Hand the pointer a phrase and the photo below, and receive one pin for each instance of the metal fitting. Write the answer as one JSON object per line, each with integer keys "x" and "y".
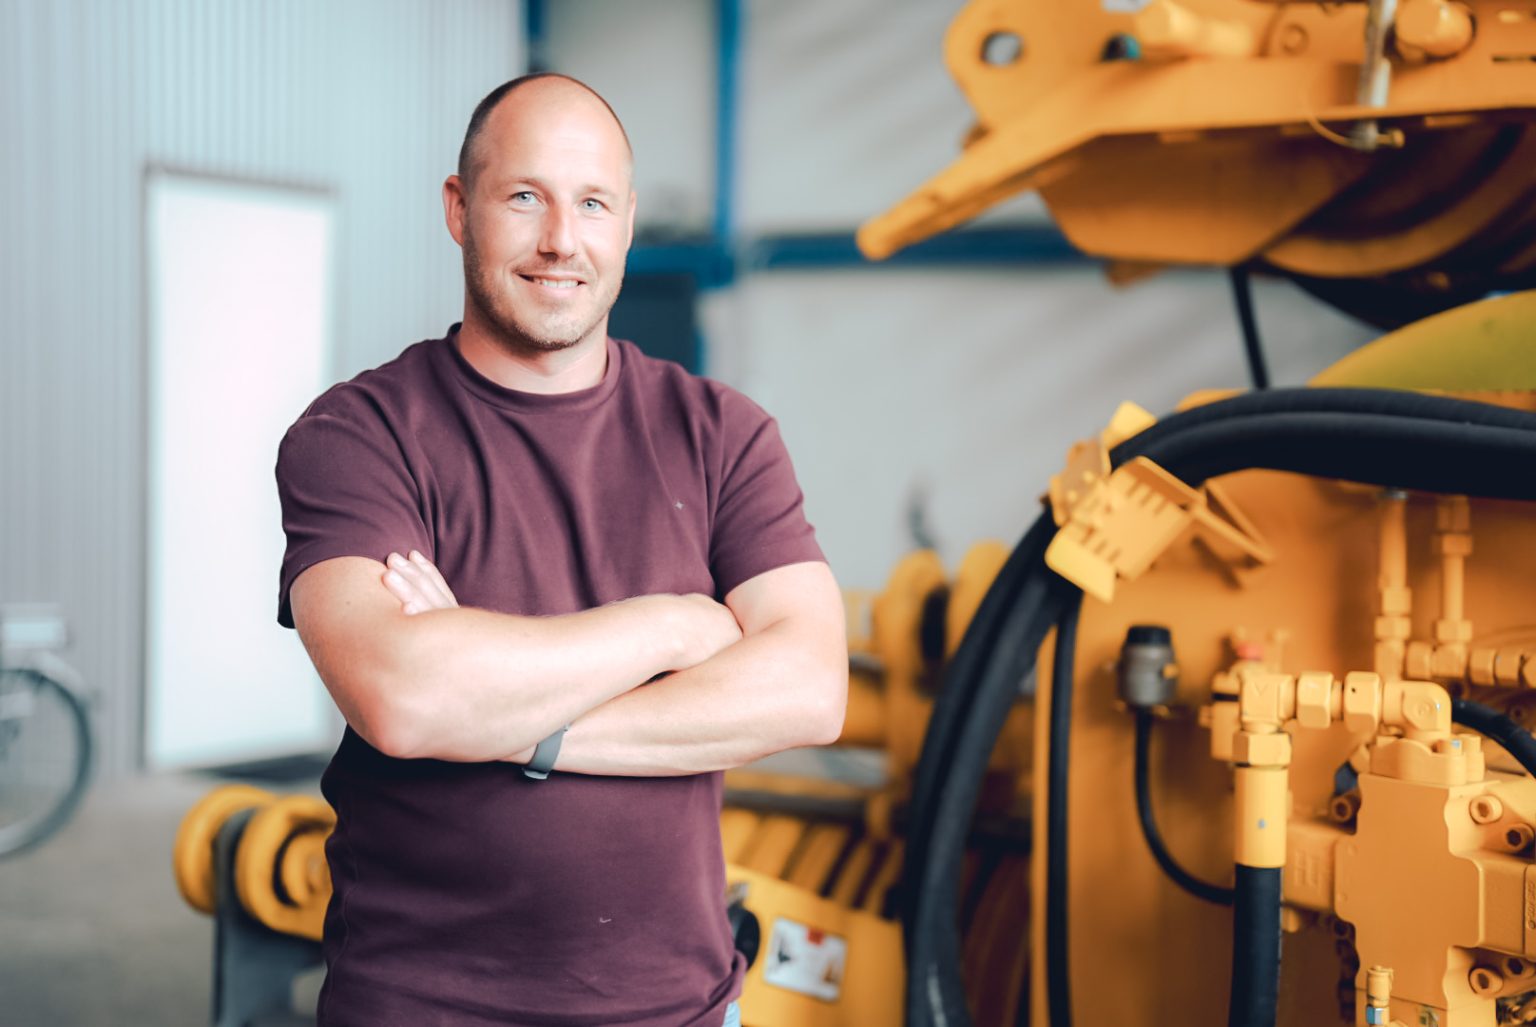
{"x": 1147, "y": 671}
{"x": 1362, "y": 702}
{"x": 1314, "y": 700}
{"x": 1485, "y": 980}
{"x": 1378, "y": 994}
{"x": 1262, "y": 750}
{"x": 1485, "y": 809}
{"x": 1518, "y": 837}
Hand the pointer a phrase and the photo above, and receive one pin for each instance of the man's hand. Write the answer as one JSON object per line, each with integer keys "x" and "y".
{"x": 703, "y": 626}
{"x": 417, "y": 583}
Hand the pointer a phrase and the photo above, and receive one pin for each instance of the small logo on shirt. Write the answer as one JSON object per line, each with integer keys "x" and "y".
{"x": 677, "y": 505}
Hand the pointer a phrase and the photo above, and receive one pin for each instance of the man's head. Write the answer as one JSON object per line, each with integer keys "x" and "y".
{"x": 543, "y": 206}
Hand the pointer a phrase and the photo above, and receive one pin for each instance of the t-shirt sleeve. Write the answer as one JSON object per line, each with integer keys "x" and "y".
{"x": 345, "y": 491}
{"x": 760, "y": 521}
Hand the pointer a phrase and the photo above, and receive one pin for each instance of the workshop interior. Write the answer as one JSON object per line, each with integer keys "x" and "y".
{"x": 1160, "y": 376}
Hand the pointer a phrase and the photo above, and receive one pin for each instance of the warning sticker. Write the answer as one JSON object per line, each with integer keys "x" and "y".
{"x": 805, "y": 959}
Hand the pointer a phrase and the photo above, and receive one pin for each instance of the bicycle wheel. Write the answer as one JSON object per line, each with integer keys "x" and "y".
{"x": 45, "y": 757}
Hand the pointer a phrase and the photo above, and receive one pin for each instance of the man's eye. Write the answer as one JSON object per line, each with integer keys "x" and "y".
{"x": 592, "y": 205}
{"x": 523, "y": 197}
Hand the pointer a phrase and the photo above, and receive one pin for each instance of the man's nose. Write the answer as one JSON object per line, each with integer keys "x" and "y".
{"x": 559, "y": 236}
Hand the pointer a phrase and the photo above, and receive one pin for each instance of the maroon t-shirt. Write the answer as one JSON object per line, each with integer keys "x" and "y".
{"x": 467, "y": 893}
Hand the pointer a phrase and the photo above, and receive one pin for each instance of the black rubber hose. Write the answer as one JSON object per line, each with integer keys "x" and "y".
{"x": 1486, "y": 720}
{"x": 1193, "y": 445}
{"x": 966, "y": 672}
{"x": 1394, "y": 402}
{"x": 1255, "y": 947}
{"x": 935, "y": 989}
{"x": 1058, "y": 973}
{"x": 1170, "y": 866}
{"x": 1242, "y": 295}
{"x": 1396, "y": 452}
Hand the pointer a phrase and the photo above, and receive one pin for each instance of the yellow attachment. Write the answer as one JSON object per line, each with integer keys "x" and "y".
{"x": 1432, "y": 28}
{"x": 1126, "y": 521}
{"x": 1262, "y": 807}
{"x": 1167, "y": 29}
{"x": 1088, "y": 460}
{"x": 192, "y": 857}
{"x": 868, "y": 987}
{"x": 1378, "y": 987}
{"x": 286, "y": 836}
{"x": 1421, "y": 708}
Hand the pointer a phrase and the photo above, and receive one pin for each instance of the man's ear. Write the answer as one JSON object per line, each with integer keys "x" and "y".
{"x": 454, "y": 204}
{"x": 631, "y": 238}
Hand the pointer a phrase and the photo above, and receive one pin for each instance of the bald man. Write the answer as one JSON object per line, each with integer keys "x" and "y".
{"x": 555, "y": 587}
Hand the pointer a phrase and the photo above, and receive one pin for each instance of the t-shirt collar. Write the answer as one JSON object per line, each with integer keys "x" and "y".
{"x": 479, "y": 385}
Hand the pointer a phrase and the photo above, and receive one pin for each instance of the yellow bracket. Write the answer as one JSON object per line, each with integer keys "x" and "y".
{"x": 1115, "y": 524}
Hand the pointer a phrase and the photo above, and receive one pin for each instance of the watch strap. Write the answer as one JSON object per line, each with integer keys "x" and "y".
{"x": 544, "y": 754}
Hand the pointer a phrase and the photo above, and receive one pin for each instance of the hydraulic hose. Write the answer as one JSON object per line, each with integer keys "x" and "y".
{"x": 1183, "y": 878}
{"x": 1058, "y": 759}
{"x": 1255, "y": 947}
{"x": 1392, "y": 402}
{"x": 972, "y": 666}
{"x": 1486, "y": 720}
{"x": 1355, "y": 434}
{"x": 935, "y": 992}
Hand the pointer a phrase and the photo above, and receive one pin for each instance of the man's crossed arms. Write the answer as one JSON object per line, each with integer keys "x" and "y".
{"x": 418, "y": 676}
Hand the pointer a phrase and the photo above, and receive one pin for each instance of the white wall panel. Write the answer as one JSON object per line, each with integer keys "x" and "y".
{"x": 966, "y": 386}
{"x": 367, "y": 98}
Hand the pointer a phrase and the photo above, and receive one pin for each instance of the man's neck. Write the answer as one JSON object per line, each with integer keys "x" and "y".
{"x": 548, "y": 372}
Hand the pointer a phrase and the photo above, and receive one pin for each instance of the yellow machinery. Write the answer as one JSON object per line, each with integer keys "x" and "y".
{"x": 1339, "y": 745}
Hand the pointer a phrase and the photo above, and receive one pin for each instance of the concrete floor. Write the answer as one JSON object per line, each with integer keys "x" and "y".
{"x": 93, "y": 932}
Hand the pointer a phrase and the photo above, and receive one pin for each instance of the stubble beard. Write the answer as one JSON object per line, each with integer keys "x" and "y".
{"x": 530, "y": 334}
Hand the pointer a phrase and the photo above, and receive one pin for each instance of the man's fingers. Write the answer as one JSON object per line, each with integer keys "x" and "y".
{"x": 405, "y": 584}
{"x": 417, "y": 583}
{"x": 433, "y": 578}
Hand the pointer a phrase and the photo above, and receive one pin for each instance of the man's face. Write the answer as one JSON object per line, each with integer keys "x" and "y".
{"x": 548, "y": 217}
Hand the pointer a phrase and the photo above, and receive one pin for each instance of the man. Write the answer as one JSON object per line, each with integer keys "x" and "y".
{"x": 585, "y": 504}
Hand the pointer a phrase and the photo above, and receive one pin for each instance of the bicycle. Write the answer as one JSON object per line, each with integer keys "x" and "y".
{"x": 46, "y": 750}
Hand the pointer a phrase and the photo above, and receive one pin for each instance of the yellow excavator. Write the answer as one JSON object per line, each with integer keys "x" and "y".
{"x": 1238, "y": 730}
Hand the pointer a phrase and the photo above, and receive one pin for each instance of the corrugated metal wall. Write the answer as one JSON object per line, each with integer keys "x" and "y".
{"x": 366, "y": 98}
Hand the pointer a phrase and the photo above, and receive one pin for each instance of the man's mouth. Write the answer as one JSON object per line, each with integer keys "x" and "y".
{"x": 552, "y": 283}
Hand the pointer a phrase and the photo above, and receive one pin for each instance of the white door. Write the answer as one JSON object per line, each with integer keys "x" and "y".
{"x": 239, "y": 309}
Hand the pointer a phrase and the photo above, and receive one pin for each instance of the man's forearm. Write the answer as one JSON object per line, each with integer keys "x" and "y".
{"x": 469, "y": 685}
{"x": 474, "y": 685}
{"x": 771, "y": 691}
